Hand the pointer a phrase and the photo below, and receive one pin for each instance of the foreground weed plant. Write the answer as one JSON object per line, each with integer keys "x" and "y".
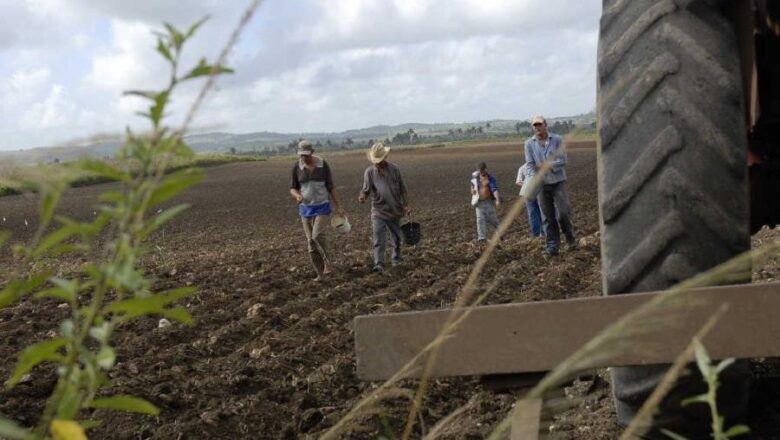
{"x": 710, "y": 373}
{"x": 110, "y": 289}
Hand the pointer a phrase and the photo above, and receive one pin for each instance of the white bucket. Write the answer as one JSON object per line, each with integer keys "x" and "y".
{"x": 340, "y": 224}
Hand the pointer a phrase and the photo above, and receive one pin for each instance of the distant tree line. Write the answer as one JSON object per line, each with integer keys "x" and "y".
{"x": 410, "y": 137}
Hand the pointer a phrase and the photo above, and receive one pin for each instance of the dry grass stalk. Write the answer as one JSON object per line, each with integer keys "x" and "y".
{"x": 612, "y": 340}
{"x": 525, "y": 421}
{"x": 449, "y": 424}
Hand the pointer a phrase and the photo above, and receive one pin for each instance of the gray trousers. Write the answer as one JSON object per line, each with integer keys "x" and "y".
{"x": 314, "y": 228}
{"x": 380, "y": 228}
{"x": 486, "y": 216}
{"x": 553, "y": 200}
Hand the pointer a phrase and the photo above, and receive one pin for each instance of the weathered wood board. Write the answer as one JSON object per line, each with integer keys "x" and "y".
{"x": 527, "y": 337}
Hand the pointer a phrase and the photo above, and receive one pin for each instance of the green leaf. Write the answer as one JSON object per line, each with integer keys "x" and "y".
{"x": 58, "y": 236}
{"x": 173, "y": 184}
{"x": 703, "y": 360}
{"x": 50, "y": 197}
{"x": 737, "y": 430}
{"x": 194, "y": 27}
{"x": 106, "y": 357}
{"x": 56, "y": 293}
{"x": 35, "y": 354}
{"x": 177, "y": 38}
{"x": 672, "y": 435}
{"x": 127, "y": 404}
{"x": 12, "y": 431}
{"x": 156, "y": 111}
{"x": 163, "y": 49}
{"x": 725, "y": 363}
{"x": 163, "y": 218}
{"x": 179, "y": 314}
{"x": 90, "y": 424}
{"x": 103, "y": 169}
{"x": 701, "y": 398}
{"x": 101, "y": 333}
{"x": 66, "y": 328}
{"x": 113, "y": 197}
{"x": 204, "y": 69}
{"x": 150, "y": 95}
{"x": 4, "y": 236}
{"x": 153, "y": 305}
{"x": 70, "y": 404}
{"x": 14, "y": 290}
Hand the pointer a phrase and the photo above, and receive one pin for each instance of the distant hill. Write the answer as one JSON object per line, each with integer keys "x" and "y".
{"x": 262, "y": 142}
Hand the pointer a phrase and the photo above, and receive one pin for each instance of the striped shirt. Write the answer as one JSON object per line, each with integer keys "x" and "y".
{"x": 314, "y": 185}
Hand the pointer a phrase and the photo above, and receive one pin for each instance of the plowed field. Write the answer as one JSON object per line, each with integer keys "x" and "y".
{"x": 271, "y": 355}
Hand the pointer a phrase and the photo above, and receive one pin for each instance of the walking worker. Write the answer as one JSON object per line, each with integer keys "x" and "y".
{"x": 532, "y": 206}
{"x": 485, "y": 199}
{"x": 540, "y": 148}
{"x": 312, "y": 187}
{"x": 389, "y": 203}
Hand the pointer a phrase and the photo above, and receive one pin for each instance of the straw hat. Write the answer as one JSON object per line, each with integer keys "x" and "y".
{"x": 378, "y": 153}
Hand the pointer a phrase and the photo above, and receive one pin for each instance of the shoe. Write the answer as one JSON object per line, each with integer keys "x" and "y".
{"x": 572, "y": 245}
{"x": 395, "y": 262}
{"x": 551, "y": 252}
{"x": 378, "y": 268}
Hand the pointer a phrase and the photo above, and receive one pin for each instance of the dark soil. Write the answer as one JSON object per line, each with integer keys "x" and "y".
{"x": 271, "y": 355}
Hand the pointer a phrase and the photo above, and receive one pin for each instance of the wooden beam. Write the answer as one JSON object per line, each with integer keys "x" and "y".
{"x": 527, "y": 337}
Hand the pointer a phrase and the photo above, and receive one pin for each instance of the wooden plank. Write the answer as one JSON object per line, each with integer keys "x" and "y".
{"x": 527, "y": 337}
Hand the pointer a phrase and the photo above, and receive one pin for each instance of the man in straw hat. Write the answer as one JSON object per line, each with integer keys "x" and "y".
{"x": 312, "y": 187}
{"x": 553, "y": 199}
{"x": 389, "y": 203}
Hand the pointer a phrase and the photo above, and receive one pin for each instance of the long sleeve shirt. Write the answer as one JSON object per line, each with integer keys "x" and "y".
{"x": 388, "y": 191}
{"x": 537, "y": 152}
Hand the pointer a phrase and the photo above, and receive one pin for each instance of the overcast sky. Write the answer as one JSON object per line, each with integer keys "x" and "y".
{"x": 301, "y": 65}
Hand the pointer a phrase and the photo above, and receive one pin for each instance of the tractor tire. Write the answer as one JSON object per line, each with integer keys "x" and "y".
{"x": 673, "y": 184}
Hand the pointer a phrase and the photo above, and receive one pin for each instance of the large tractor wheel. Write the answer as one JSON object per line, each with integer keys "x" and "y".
{"x": 672, "y": 165}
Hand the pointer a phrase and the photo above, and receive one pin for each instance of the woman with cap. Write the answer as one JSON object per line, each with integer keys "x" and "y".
{"x": 389, "y": 203}
{"x": 312, "y": 187}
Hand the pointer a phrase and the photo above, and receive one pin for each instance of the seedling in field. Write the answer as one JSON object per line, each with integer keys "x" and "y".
{"x": 710, "y": 373}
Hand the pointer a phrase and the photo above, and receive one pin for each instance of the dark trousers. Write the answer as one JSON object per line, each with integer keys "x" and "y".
{"x": 552, "y": 198}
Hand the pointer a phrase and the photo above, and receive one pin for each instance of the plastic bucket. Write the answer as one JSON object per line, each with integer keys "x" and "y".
{"x": 340, "y": 224}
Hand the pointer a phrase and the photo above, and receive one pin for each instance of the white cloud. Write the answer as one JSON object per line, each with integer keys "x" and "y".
{"x": 128, "y": 62}
{"x": 318, "y": 65}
